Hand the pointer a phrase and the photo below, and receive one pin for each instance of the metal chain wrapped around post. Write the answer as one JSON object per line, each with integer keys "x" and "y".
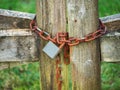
{"x": 63, "y": 39}
{"x": 71, "y": 41}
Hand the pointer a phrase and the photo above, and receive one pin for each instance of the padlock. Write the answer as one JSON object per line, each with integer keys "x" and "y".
{"x": 52, "y": 50}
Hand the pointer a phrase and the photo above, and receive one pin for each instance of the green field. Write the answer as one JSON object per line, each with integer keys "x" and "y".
{"x": 26, "y": 77}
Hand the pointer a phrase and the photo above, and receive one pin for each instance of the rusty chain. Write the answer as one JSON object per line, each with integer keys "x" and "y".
{"x": 58, "y": 72}
{"x": 63, "y": 39}
{"x": 70, "y": 41}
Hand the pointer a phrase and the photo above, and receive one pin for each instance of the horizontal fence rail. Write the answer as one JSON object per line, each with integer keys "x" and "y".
{"x": 19, "y": 44}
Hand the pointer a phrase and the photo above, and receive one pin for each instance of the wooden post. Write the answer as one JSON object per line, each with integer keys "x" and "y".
{"x": 52, "y": 18}
{"x": 82, "y": 20}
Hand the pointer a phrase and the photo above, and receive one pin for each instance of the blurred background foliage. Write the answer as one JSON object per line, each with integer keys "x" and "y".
{"x": 18, "y": 5}
{"x": 26, "y": 77}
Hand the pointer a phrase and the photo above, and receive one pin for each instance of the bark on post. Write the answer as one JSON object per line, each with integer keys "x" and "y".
{"x": 82, "y": 20}
{"x": 52, "y": 18}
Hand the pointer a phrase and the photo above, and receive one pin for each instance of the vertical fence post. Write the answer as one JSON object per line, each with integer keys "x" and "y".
{"x": 52, "y": 18}
{"x": 82, "y": 20}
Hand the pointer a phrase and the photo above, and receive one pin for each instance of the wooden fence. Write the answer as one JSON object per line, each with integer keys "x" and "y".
{"x": 18, "y": 45}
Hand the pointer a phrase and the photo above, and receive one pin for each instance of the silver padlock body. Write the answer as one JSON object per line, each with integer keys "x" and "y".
{"x": 51, "y": 50}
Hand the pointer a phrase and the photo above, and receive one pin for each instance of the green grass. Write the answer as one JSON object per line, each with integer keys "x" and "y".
{"x": 26, "y": 77}
{"x": 18, "y": 5}
{"x": 108, "y": 7}
{"x": 110, "y": 76}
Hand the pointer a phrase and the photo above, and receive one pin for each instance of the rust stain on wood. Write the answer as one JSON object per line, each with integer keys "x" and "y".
{"x": 18, "y": 49}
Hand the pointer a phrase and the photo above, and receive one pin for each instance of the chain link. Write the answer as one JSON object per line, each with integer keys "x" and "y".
{"x": 60, "y": 37}
{"x": 58, "y": 72}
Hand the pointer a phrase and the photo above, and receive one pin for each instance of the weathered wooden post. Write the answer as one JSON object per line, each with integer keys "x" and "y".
{"x": 82, "y": 20}
{"x": 51, "y": 16}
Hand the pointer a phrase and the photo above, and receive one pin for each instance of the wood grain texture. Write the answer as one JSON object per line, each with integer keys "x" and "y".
{"x": 112, "y": 22}
{"x": 110, "y": 43}
{"x": 83, "y": 19}
{"x": 8, "y": 22}
{"x": 18, "y": 14}
{"x": 16, "y": 32}
{"x": 14, "y": 20}
{"x": 18, "y": 49}
{"x": 110, "y": 47}
{"x": 17, "y": 42}
{"x": 51, "y": 18}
